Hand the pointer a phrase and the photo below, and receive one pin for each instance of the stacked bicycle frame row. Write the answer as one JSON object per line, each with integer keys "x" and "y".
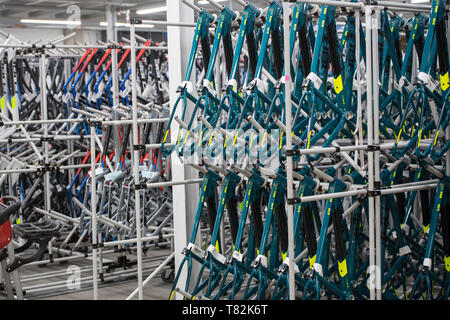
{"x": 235, "y": 136}
{"x": 53, "y": 96}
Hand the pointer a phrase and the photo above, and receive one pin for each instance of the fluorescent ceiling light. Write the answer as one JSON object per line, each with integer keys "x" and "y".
{"x": 151, "y": 10}
{"x": 206, "y": 2}
{"x": 118, "y": 24}
{"x": 123, "y": 24}
{"x": 76, "y": 23}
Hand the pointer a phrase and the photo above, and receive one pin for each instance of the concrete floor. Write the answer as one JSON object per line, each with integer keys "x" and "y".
{"x": 53, "y": 281}
{"x": 155, "y": 290}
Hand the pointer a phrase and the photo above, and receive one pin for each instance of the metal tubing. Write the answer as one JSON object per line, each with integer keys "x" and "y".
{"x": 289, "y": 164}
{"x": 356, "y": 5}
{"x": 153, "y": 274}
{"x": 192, "y": 6}
{"x": 169, "y": 24}
{"x": 131, "y": 241}
{"x": 371, "y": 222}
{"x": 173, "y": 183}
{"x": 58, "y": 215}
{"x": 137, "y": 194}
{"x": 362, "y": 192}
{"x": 376, "y": 141}
{"x": 392, "y": 4}
{"x": 93, "y": 217}
{"x": 215, "y": 4}
{"x": 104, "y": 219}
{"x": 242, "y": 3}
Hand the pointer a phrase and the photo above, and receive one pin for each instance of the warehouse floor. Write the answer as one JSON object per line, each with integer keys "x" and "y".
{"x": 54, "y": 281}
{"x": 157, "y": 290}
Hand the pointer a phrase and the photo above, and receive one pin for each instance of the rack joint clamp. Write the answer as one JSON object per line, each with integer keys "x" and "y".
{"x": 140, "y": 186}
{"x": 373, "y": 147}
{"x": 292, "y": 201}
{"x": 135, "y": 21}
{"x": 139, "y": 147}
{"x": 292, "y": 152}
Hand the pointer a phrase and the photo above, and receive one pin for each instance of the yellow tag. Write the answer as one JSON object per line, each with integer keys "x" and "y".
{"x": 447, "y": 263}
{"x": 200, "y": 140}
{"x": 210, "y": 139}
{"x": 165, "y": 136}
{"x": 235, "y": 138}
{"x": 13, "y": 102}
{"x": 18, "y": 221}
{"x": 281, "y": 140}
{"x": 187, "y": 136}
{"x": 420, "y": 135}
{"x": 435, "y": 138}
{"x": 2, "y": 103}
{"x": 445, "y": 82}
{"x": 312, "y": 261}
{"x": 283, "y": 255}
{"x": 171, "y": 295}
{"x": 217, "y": 246}
{"x": 338, "y": 86}
{"x": 343, "y": 268}
{"x": 399, "y": 134}
{"x": 425, "y": 228}
{"x": 309, "y": 140}
{"x": 264, "y": 138}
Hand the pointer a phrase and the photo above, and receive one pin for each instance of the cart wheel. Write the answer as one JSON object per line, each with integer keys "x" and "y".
{"x": 168, "y": 275}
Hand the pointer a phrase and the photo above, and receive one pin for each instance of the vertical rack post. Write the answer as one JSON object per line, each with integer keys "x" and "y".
{"x": 358, "y": 81}
{"x": 94, "y": 215}
{"x": 137, "y": 192}
{"x": 289, "y": 165}
{"x": 376, "y": 141}
{"x": 44, "y": 115}
{"x": 370, "y": 169}
{"x": 111, "y": 19}
{"x": 67, "y": 71}
{"x": 115, "y": 95}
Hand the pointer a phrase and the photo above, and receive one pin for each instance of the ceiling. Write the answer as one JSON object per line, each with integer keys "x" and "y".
{"x": 92, "y": 12}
